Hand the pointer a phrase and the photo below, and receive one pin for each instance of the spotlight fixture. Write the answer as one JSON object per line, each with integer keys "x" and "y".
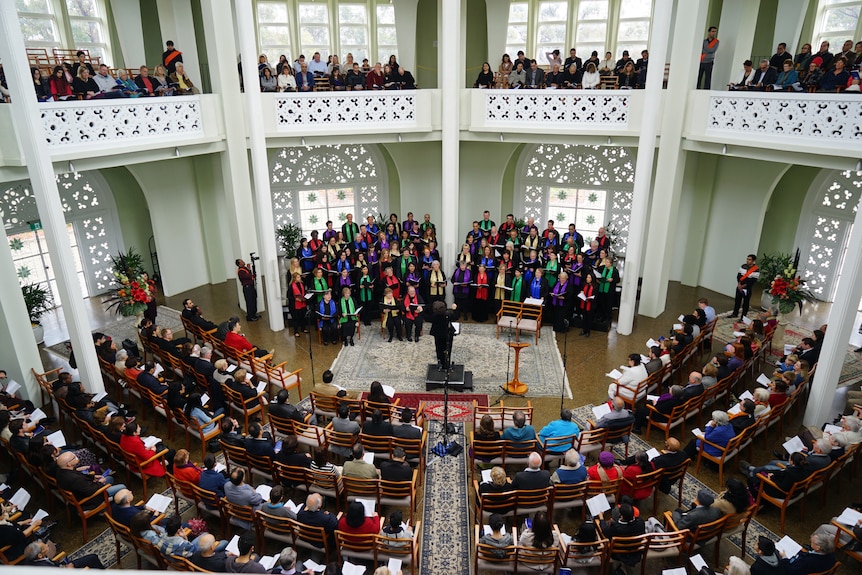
{"x": 724, "y": 149}
{"x": 609, "y": 141}
{"x": 302, "y": 141}
{"x": 177, "y": 152}
{"x": 399, "y": 138}
{"x": 859, "y": 165}
{"x": 501, "y": 136}
{"x": 71, "y": 167}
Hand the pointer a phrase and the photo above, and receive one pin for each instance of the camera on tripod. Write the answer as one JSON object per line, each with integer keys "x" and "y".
{"x": 253, "y": 257}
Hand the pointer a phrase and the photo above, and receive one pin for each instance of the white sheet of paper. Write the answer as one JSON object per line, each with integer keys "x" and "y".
{"x": 486, "y": 476}
{"x": 746, "y": 395}
{"x": 793, "y": 445}
{"x": 681, "y": 317}
{"x": 675, "y": 571}
{"x": 368, "y": 457}
{"x": 369, "y": 505}
{"x": 652, "y": 398}
{"x": 697, "y": 432}
{"x": 582, "y": 296}
{"x": 677, "y": 326}
{"x": 698, "y": 562}
{"x": 849, "y": 517}
{"x": 735, "y": 409}
{"x": 231, "y": 368}
{"x": 653, "y": 453}
{"x": 3, "y": 487}
{"x": 261, "y": 386}
{"x": 219, "y": 467}
{"x": 600, "y": 410}
{"x": 20, "y": 499}
{"x": 159, "y": 369}
{"x": 565, "y": 538}
{"x": 644, "y": 359}
{"x": 233, "y": 546}
{"x": 456, "y": 326}
{"x": 652, "y": 343}
{"x": 534, "y": 301}
{"x": 291, "y": 506}
{"x": 763, "y": 380}
{"x": 788, "y": 348}
{"x": 264, "y": 491}
{"x": 159, "y": 502}
{"x": 747, "y": 320}
{"x": 309, "y": 564}
{"x": 41, "y": 514}
{"x": 12, "y": 387}
{"x": 150, "y": 441}
{"x": 738, "y": 333}
{"x": 394, "y": 565}
{"x": 830, "y": 429}
{"x": 789, "y": 546}
{"x": 614, "y": 374}
{"x": 268, "y": 562}
{"x": 487, "y": 529}
{"x": 57, "y": 439}
{"x": 598, "y": 504}
{"x": 205, "y": 398}
{"x": 100, "y": 396}
{"x": 37, "y": 415}
{"x": 350, "y": 569}
{"x": 389, "y": 390}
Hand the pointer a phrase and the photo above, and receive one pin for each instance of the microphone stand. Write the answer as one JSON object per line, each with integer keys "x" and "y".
{"x": 442, "y": 448}
{"x": 565, "y": 358}
{"x": 308, "y": 314}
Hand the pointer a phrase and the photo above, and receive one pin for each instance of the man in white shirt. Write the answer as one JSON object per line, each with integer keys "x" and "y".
{"x": 105, "y": 81}
{"x": 316, "y": 66}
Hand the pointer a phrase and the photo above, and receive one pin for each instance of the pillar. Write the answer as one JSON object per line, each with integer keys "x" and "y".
{"x": 177, "y": 24}
{"x": 842, "y": 322}
{"x": 127, "y": 21}
{"x": 268, "y": 268}
{"x": 643, "y": 169}
{"x": 670, "y": 166}
{"x": 788, "y": 23}
{"x": 40, "y": 170}
{"x": 736, "y": 34}
{"x": 449, "y": 48}
{"x": 497, "y": 21}
{"x": 405, "y": 28}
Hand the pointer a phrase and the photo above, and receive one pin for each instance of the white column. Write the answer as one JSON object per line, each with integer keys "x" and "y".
{"x": 497, "y": 19}
{"x": 177, "y": 24}
{"x": 643, "y": 169}
{"x": 28, "y": 126}
{"x": 736, "y": 33}
{"x": 788, "y": 23}
{"x": 127, "y": 20}
{"x": 405, "y": 28}
{"x": 449, "y": 50}
{"x": 238, "y": 201}
{"x": 842, "y": 322}
{"x": 268, "y": 267}
{"x": 670, "y": 166}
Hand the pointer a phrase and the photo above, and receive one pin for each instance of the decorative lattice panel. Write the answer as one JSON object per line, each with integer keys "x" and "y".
{"x": 111, "y": 121}
{"x": 345, "y": 108}
{"x": 560, "y": 108}
{"x": 821, "y": 117}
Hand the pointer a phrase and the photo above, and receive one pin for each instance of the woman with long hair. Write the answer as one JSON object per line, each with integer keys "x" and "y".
{"x": 540, "y": 534}
{"x": 485, "y": 78}
{"x": 355, "y": 522}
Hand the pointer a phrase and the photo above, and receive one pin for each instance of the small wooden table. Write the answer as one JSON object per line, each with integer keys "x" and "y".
{"x": 516, "y": 386}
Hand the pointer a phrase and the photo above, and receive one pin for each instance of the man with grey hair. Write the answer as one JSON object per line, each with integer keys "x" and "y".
{"x": 534, "y": 477}
{"x": 522, "y": 431}
{"x": 286, "y": 562}
{"x": 39, "y": 554}
{"x": 312, "y": 514}
{"x": 694, "y": 386}
{"x": 207, "y": 556}
{"x": 560, "y": 428}
{"x": 821, "y": 557}
{"x": 571, "y": 471}
{"x": 764, "y": 76}
{"x": 617, "y": 415}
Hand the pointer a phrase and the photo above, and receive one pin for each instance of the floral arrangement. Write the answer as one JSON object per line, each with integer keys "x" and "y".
{"x": 788, "y": 290}
{"x": 134, "y": 288}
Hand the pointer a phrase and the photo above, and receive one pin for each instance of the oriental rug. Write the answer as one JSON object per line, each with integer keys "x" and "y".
{"x": 460, "y": 404}
{"x": 690, "y": 487}
{"x": 403, "y": 364}
{"x": 851, "y": 370}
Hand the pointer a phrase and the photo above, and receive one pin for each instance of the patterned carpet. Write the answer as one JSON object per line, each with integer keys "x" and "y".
{"x": 446, "y": 517}
{"x": 402, "y": 364}
{"x": 690, "y": 487}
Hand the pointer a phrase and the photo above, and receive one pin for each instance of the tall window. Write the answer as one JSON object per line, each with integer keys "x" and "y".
{"x": 273, "y": 31}
{"x": 314, "y": 29}
{"x": 837, "y": 21}
{"x": 540, "y": 26}
{"x": 313, "y": 184}
{"x": 353, "y": 30}
{"x": 387, "y": 38}
{"x": 68, "y": 24}
{"x": 589, "y": 186}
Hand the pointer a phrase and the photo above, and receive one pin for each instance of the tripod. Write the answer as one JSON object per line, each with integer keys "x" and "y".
{"x": 443, "y": 448}
{"x": 308, "y": 315}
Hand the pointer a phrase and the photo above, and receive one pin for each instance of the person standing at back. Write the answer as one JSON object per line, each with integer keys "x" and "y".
{"x": 707, "y": 59}
{"x": 246, "y": 278}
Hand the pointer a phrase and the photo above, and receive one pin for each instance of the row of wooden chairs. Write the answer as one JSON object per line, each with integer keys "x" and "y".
{"x": 519, "y": 316}
{"x": 501, "y": 414}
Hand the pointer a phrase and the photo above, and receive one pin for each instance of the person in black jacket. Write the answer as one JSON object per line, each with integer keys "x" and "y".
{"x": 768, "y": 561}
{"x": 377, "y": 425}
{"x": 82, "y": 486}
{"x": 283, "y": 409}
{"x": 626, "y": 526}
{"x": 257, "y": 444}
{"x": 397, "y": 468}
{"x": 442, "y": 330}
{"x": 821, "y": 557}
{"x": 197, "y": 318}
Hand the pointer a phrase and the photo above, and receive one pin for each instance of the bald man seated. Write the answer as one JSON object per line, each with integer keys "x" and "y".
{"x": 82, "y": 486}
{"x": 312, "y": 514}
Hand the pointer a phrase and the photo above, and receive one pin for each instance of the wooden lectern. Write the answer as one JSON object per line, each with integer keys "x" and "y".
{"x": 515, "y": 386}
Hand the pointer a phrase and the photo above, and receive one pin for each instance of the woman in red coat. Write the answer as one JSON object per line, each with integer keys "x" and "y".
{"x": 356, "y": 523}
{"x": 184, "y": 469}
{"x": 641, "y": 466}
{"x": 131, "y": 443}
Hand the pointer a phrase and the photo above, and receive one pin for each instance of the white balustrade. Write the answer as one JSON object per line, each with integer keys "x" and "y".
{"x": 594, "y": 108}
{"x": 360, "y": 109}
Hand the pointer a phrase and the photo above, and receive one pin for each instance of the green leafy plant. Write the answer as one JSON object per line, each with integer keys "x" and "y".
{"x": 288, "y": 237}
{"x": 520, "y": 223}
{"x": 38, "y": 300}
{"x": 771, "y": 266}
{"x": 134, "y": 290}
{"x": 613, "y": 234}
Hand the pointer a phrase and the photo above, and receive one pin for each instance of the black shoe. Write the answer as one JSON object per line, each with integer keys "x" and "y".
{"x": 351, "y": 342}
{"x": 400, "y": 338}
{"x": 390, "y": 339}
{"x": 416, "y": 340}
{"x": 857, "y": 350}
{"x": 779, "y": 455}
{"x": 410, "y": 339}
{"x": 636, "y": 430}
{"x": 335, "y": 342}
{"x": 325, "y": 342}
{"x": 255, "y": 318}
{"x": 586, "y": 335}
{"x": 344, "y": 343}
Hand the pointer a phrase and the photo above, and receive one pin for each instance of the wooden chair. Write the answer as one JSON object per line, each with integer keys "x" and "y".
{"x": 738, "y": 523}
{"x": 500, "y": 452}
{"x": 675, "y": 418}
{"x": 531, "y": 320}
{"x": 851, "y": 549}
{"x": 341, "y": 441}
{"x": 608, "y": 82}
{"x": 82, "y": 506}
{"x": 207, "y": 502}
{"x": 591, "y": 440}
{"x": 649, "y": 480}
{"x": 407, "y": 550}
{"x": 400, "y": 493}
{"x": 534, "y": 559}
{"x": 122, "y": 534}
{"x": 291, "y": 476}
{"x": 46, "y": 383}
{"x": 590, "y": 557}
{"x": 705, "y": 534}
{"x": 668, "y": 545}
{"x": 327, "y": 484}
{"x": 135, "y": 466}
{"x": 311, "y": 436}
{"x": 725, "y": 453}
{"x": 676, "y": 474}
{"x": 508, "y": 316}
{"x": 355, "y": 547}
{"x": 235, "y": 515}
{"x": 569, "y": 496}
{"x": 555, "y": 448}
{"x": 235, "y": 456}
{"x": 311, "y": 538}
{"x": 246, "y": 407}
{"x": 279, "y": 376}
{"x": 618, "y": 435}
{"x": 488, "y": 557}
{"x": 795, "y": 494}
{"x": 5, "y": 559}
{"x": 272, "y": 527}
{"x": 611, "y": 488}
{"x": 181, "y": 489}
{"x": 629, "y": 551}
{"x": 326, "y": 406}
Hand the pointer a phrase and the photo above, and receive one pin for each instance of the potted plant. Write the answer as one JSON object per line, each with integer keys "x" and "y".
{"x": 134, "y": 290}
{"x": 771, "y": 266}
{"x": 287, "y": 237}
{"x": 38, "y": 300}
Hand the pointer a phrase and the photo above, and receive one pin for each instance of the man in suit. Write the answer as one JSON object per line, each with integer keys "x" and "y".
{"x": 764, "y": 76}
{"x": 284, "y": 410}
{"x": 406, "y": 430}
{"x": 39, "y": 554}
{"x": 147, "y": 378}
{"x": 694, "y": 387}
{"x": 808, "y": 351}
{"x": 82, "y": 486}
{"x": 535, "y": 75}
{"x": 304, "y": 79}
{"x": 238, "y": 492}
{"x": 397, "y": 468}
{"x": 821, "y": 557}
{"x": 359, "y": 468}
{"x": 671, "y": 456}
{"x": 702, "y": 512}
{"x": 197, "y": 318}
{"x": 654, "y": 364}
{"x": 312, "y": 515}
{"x": 256, "y": 444}
{"x": 231, "y": 432}
{"x": 573, "y": 59}
{"x": 534, "y": 477}
{"x": 188, "y": 304}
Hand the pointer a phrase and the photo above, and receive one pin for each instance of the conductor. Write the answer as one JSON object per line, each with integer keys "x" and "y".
{"x": 443, "y": 331}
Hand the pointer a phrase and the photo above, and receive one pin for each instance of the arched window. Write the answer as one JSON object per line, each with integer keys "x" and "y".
{"x": 540, "y": 26}
{"x": 824, "y": 229}
{"x": 590, "y": 186}
{"x": 313, "y": 184}
{"x": 91, "y": 221}
{"x": 78, "y": 24}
